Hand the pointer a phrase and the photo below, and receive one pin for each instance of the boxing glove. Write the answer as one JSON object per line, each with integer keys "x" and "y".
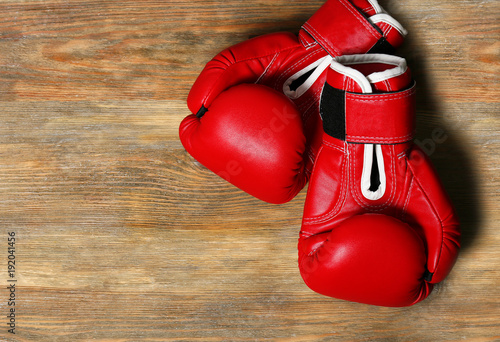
{"x": 294, "y": 66}
{"x": 378, "y": 227}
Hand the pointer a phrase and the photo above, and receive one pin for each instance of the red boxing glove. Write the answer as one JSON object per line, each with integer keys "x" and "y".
{"x": 378, "y": 227}
{"x": 293, "y": 66}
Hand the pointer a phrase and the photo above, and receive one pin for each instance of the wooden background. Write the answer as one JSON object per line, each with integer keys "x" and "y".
{"x": 122, "y": 236}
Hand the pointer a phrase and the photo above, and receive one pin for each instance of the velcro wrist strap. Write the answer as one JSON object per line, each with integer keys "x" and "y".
{"x": 341, "y": 29}
{"x": 386, "y": 118}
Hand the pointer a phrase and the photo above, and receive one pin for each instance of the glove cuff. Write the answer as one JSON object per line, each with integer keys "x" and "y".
{"x": 339, "y": 23}
{"x": 386, "y": 117}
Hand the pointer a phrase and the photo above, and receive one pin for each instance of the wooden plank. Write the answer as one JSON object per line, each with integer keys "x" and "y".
{"x": 122, "y": 236}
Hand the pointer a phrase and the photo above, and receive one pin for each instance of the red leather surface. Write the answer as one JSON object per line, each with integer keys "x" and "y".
{"x": 370, "y": 118}
{"x": 274, "y": 59}
{"x": 349, "y": 35}
{"x": 258, "y": 116}
{"x": 369, "y": 258}
{"x": 429, "y": 209}
{"x": 376, "y": 251}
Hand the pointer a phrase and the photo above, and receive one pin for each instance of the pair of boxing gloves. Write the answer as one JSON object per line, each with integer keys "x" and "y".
{"x": 332, "y": 106}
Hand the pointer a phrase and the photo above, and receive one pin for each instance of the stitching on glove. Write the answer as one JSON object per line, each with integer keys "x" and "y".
{"x": 232, "y": 65}
{"x": 386, "y": 29}
{"x": 385, "y": 139}
{"x": 342, "y": 196}
{"x": 388, "y": 85}
{"x": 329, "y": 144}
{"x": 305, "y": 235}
{"x": 287, "y": 72}
{"x": 380, "y": 98}
{"x": 434, "y": 211}
{"x": 402, "y": 154}
{"x": 408, "y": 196}
{"x": 323, "y": 41}
{"x": 306, "y": 106}
{"x": 307, "y": 45}
{"x": 267, "y": 68}
{"x": 361, "y": 19}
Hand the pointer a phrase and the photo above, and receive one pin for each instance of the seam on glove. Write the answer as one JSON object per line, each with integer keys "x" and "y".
{"x": 361, "y": 19}
{"x": 267, "y": 68}
{"x": 345, "y": 83}
{"x": 388, "y": 85}
{"x": 329, "y": 144}
{"x": 380, "y": 98}
{"x": 386, "y": 30}
{"x": 436, "y": 214}
{"x": 342, "y": 196}
{"x": 307, "y": 45}
{"x": 370, "y": 29}
{"x": 408, "y": 196}
{"x": 383, "y": 97}
{"x": 305, "y": 235}
{"x": 402, "y": 154}
{"x": 231, "y": 65}
{"x": 286, "y": 73}
{"x": 384, "y": 139}
{"x": 309, "y": 27}
{"x": 306, "y": 107}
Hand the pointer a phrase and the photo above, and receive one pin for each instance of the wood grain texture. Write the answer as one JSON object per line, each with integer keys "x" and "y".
{"x": 122, "y": 236}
